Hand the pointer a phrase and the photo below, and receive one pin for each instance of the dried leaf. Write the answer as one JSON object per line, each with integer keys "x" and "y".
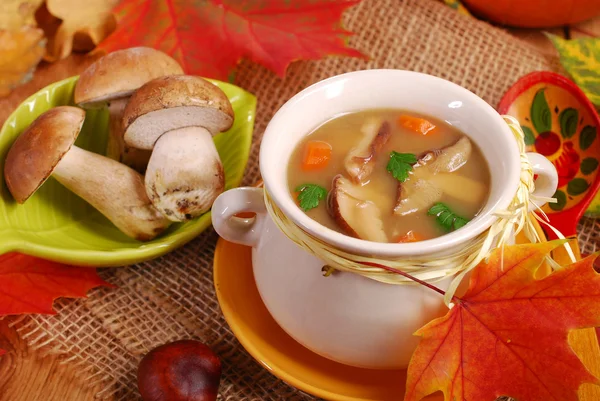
{"x": 44, "y": 75}
{"x": 30, "y": 285}
{"x": 581, "y": 59}
{"x": 209, "y": 37}
{"x": 47, "y": 22}
{"x": 16, "y": 14}
{"x": 86, "y": 22}
{"x": 20, "y": 53}
{"x": 508, "y": 335}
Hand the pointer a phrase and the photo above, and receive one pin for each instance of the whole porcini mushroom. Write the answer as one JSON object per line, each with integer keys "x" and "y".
{"x": 185, "y": 370}
{"x": 47, "y": 148}
{"x": 177, "y": 116}
{"x": 110, "y": 81}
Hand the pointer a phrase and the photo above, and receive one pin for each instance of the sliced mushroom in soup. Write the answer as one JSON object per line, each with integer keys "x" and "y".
{"x": 389, "y": 176}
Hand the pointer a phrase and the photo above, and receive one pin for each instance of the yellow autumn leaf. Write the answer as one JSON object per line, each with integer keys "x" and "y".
{"x": 581, "y": 59}
{"x": 20, "y": 53}
{"x": 15, "y": 14}
{"x": 91, "y": 18}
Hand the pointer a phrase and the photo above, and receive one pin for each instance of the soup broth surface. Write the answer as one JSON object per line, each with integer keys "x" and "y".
{"x": 345, "y": 132}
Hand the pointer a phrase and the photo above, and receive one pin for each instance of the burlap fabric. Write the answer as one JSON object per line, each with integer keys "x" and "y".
{"x": 173, "y": 297}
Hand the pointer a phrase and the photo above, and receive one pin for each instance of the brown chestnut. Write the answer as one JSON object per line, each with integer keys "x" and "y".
{"x": 183, "y": 370}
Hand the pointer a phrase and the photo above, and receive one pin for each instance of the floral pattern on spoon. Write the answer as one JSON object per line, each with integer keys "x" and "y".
{"x": 560, "y": 123}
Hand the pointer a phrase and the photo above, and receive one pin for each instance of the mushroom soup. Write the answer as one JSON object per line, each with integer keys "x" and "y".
{"x": 389, "y": 176}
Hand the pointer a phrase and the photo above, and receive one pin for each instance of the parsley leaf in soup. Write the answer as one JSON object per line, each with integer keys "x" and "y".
{"x": 310, "y": 195}
{"x": 446, "y": 217}
{"x": 400, "y": 165}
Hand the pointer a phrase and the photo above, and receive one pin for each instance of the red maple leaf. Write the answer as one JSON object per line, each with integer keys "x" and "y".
{"x": 508, "y": 334}
{"x": 209, "y": 37}
{"x": 30, "y": 285}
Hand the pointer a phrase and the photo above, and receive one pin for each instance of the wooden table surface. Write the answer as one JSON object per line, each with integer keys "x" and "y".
{"x": 30, "y": 375}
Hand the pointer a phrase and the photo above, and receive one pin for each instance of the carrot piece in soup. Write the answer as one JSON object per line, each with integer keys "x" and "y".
{"x": 316, "y": 155}
{"x": 411, "y": 236}
{"x": 419, "y": 125}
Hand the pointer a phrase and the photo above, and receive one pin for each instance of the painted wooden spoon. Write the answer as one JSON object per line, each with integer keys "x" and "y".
{"x": 560, "y": 123}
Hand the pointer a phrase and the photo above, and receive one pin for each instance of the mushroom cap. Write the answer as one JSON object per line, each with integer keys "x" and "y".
{"x": 36, "y": 152}
{"x": 168, "y": 103}
{"x": 120, "y": 73}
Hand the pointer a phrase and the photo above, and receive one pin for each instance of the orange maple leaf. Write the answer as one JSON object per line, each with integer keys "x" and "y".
{"x": 508, "y": 334}
{"x": 30, "y": 285}
{"x": 209, "y": 37}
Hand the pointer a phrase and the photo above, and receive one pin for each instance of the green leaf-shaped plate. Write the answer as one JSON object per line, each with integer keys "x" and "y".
{"x": 56, "y": 224}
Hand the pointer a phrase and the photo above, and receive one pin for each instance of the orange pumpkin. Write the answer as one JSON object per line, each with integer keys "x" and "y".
{"x": 534, "y": 13}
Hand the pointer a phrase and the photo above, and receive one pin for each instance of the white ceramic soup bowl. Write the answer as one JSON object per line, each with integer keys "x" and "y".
{"x": 346, "y": 317}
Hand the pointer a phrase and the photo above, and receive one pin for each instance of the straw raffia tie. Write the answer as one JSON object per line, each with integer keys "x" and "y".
{"x": 458, "y": 263}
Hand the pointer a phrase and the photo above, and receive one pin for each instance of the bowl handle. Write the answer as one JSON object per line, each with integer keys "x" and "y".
{"x": 239, "y": 229}
{"x": 547, "y": 180}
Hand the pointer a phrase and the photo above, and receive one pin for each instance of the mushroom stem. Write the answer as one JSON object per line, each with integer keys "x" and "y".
{"x": 116, "y": 190}
{"x": 116, "y": 149}
{"x": 116, "y": 144}
{"x": 185, "y": 174}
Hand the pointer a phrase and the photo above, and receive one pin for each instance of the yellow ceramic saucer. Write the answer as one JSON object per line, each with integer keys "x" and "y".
{"x": 278, "y": 352}
{"x": 262, "y": 337}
